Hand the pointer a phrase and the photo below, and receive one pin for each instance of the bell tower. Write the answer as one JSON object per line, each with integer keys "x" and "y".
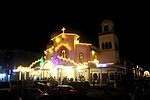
{"x": 108, "y": 43}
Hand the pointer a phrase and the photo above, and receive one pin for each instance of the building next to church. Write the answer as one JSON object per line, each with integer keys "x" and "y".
{"x": 11, "y": 59}
{"x": 68, "y": 58}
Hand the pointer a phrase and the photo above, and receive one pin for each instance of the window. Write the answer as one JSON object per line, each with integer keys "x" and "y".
{"x": 64, "y": 55}
{"x": 64, "y": 52}
{"x": 95, "y": 76}
{"x": 106, "y": 28}
{"x": 106, "y": 45}
{"x": 81, "y": 58}
{"x": 110, "y": 45}
{"x": 103, "y": 46}
{"x": 112, "y": 76}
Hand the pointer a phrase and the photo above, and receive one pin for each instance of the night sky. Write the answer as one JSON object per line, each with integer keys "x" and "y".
{"x": 28, "y": 26}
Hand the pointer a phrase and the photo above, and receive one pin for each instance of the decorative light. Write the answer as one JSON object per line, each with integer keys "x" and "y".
{"x": 63, "y": 36}
{"x": 50, "y": 50}
{"x": 87, "y": 44}
{"x": 63, "y": 44}
{"x": 42, "y": 61}
{"x": 137, "y": 66}
{"x": 57, "y": 40}
{"x": 72, "y": 61}
{"x": 56, "y": 61}
{"x": 22, "y": 69}
{"x": 77, "y": 42}
{"x": 146, "y": 73}
{"x": 93, "y": 52}
{"x": 36, "y": 61}
{"x": 77, "y": 36}
{"x": 67, "y": 59}
{"x": 2, "y": 75}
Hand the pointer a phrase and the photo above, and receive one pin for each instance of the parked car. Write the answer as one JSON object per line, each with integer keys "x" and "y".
{"x": 8, "y": 95}
{"x": 33, "y": 94}
{"x": 41, "y": 86}
{"x": 63, "y": 91}
{"x": 5, "y": 85}
{"x": 81, "y": 87}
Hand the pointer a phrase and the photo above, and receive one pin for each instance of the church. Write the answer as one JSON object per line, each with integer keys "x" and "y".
{"x": 68, "y": 58}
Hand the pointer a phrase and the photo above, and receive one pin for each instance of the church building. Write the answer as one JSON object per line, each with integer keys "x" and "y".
{"x": 68, "y": 58}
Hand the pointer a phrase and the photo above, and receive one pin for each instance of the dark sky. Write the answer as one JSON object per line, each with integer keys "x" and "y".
{"x": 28, "y": 26}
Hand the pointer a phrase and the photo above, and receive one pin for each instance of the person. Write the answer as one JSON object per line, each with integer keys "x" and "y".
{"x": 38, "y": 78}
{"x": 76, "y": 79}
{"x": 93, "y": 82}
{"x": 59, "y": 80}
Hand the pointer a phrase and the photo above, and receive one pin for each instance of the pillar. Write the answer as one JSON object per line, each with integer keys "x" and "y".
{"x": 75, "y": 74}
{"x": 20, "y": 75}
{"x": 89, "y": 78}
{"x": 24, "y": 75}
{"x": 58, "y": 75}
{"x": 100, "y": 76}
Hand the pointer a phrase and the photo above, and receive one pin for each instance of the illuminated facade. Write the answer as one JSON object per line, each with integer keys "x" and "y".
{"x": 67, "y": 57}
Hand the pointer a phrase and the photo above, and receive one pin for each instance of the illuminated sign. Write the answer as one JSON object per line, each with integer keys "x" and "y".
{"x": 101, "y": 65}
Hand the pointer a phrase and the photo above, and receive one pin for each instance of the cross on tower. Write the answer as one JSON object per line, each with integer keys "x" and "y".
{"x": 63, "y": 29}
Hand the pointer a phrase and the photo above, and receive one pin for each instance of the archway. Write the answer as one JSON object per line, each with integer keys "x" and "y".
{"x": 48, "y": 69}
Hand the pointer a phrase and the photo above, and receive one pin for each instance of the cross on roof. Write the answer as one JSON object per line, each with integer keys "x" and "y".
{"x": 63, "y": 29}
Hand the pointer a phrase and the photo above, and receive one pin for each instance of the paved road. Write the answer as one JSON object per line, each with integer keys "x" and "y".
{"x": 109, "y": 94}
{"x": 102, "y": 94}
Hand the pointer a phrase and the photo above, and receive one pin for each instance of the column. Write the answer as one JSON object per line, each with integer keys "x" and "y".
{"x": 100, "y": 76}
{"x": 57, "y": 74}
{"x": 24, "y": 75}
{"x": 42, "y": 74}
{"x": 89, "y": 78}
{"x": 20, "y": 75}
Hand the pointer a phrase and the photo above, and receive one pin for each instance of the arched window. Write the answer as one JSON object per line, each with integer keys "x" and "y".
{"x": 106, "y": 45}
{"x": 95, "y": 76}
{"x": 103, "y": 46}
{"x": 112, "y": 76}
{"x": 110, "y": 45}
{"x": 81, "y": 58}
{"x": 64, "y": 52}
{"x": 64, "y": 55}
{"x": 106, "y": 28}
